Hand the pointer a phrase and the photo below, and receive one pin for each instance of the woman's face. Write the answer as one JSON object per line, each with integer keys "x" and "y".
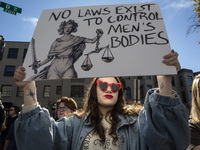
{"x": 63, "y": 111}
{"x": 68, "y": 28}
{"x": 107, "y": 98}
{"x": 12, "y": 111}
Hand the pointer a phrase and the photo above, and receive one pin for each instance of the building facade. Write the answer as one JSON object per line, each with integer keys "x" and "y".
{"x": 49, "y": 91}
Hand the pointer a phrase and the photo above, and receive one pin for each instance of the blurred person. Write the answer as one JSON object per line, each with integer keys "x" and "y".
{"x": 2, "y": 113}
{"x": 194, "y": 123}
{"x": 8, "y": 121}
{"x": 65, "y": 107}
{"x": 10, "y": 143}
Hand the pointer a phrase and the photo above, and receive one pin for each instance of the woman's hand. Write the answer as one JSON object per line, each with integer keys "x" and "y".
{"x": 28, "y": 87}
{"x": 171, "y": 59}
{"x": 19, "y": 76}
{"x": 164, "y": 81}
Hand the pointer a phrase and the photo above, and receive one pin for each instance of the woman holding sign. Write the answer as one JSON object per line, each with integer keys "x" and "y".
{"x": 106, "y": 122}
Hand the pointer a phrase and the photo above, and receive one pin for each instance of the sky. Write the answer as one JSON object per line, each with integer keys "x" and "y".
{"x": 176, "y": 14}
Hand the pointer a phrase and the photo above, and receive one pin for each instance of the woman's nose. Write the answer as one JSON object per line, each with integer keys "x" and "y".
{"x": 109, "y": 89}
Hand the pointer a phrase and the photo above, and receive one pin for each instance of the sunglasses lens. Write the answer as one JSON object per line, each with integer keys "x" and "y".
{"x": 103, "y": 86}
{"x": 115, "y": 87}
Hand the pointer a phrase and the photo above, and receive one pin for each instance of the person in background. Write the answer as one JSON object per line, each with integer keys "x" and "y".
{"x": 9, "y": 120}
{"x": 2, "y": 113}
{"x": 194, "y": 123}
{"x": 10, "y": 143}
{"x": 106, "y": 122}
{"x": 65, "y": 107}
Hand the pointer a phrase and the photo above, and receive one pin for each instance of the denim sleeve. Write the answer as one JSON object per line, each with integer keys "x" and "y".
{"x": 163, "y": 123}
{"x": 36, "y": 130}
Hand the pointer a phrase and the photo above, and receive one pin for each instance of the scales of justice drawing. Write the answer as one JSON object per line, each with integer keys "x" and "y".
{"x": 75, "y": 52}
{"x": 106, "y": 57}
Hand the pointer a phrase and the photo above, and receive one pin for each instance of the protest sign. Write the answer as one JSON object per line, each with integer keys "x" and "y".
{"x": 99, "y": 41}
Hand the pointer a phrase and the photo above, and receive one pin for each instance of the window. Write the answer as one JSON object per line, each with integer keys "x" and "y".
{"x": 59, "y": 90}
{"x": 183, "y": 97}
{"x": 128, "y": 93}
{"x": 181, "y": 80}
{"x": 20, "y": 92}
{"x": 173, "y": 81}
{"x": 77, "y": 91}
{"x": 47, "y": 89}
{"x": 190, "y": 95}
{"x": 12, "y": 52}
{"x": 77, "y": 80}
{"x": 139, "y": 77}
{"x": 148, "y": 77}
{"x": 141, "y": 92}
{"x": 6, "y": 90}
{"x": 9, "y": 71}
{"x": 189, "y": 79}
{"x": 24, "y": 54}
{"x": 128, "y": 78}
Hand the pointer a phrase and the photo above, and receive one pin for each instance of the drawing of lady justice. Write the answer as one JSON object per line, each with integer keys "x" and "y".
{"x": 64, "y": 52}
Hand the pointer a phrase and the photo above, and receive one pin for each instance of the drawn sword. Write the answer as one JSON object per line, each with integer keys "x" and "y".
{"x": 34, "y": 58}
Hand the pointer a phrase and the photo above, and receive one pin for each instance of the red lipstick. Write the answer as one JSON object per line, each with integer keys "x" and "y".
{"x": 109, "y": 96}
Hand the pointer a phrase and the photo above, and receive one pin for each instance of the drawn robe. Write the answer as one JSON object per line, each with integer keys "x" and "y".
{"x": 65, "y": 54}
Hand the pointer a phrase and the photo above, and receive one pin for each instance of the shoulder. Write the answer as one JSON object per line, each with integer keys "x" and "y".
{"x": 58, "y": 40}
{"x": 129, "y": 122}
{"x": 194, "y": 126}
{"x": 73, "y": 120}
{"x": 127, "y": 119}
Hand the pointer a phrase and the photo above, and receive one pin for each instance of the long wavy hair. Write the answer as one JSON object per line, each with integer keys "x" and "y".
{"x": 64, "y": 23}
{"x": 195, "y": 111}
{"x": 90, "y": 106}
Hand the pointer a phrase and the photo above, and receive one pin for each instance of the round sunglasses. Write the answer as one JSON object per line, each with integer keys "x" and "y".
{"x": 115, "y": 87}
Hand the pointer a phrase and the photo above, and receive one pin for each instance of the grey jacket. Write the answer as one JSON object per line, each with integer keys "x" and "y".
{"x": 161, "y": 125}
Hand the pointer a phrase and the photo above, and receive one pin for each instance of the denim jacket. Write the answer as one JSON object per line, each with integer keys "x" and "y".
{"x": 161, "y": 125}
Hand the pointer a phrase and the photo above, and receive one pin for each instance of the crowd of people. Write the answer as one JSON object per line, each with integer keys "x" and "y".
{"x": 65, "y": 108}
{"x": 106, "y": 121}
{"x": 7, "y": 138}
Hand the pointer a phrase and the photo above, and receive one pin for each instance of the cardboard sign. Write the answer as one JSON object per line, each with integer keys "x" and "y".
{"x": 98, "y": 41}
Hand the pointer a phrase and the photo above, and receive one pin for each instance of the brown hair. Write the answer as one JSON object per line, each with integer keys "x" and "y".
{"x": 91, "y": 106}
{"x": 17, "y": 109}
{"x": 195, "y": 111}
{"x": 69, "y": 102}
